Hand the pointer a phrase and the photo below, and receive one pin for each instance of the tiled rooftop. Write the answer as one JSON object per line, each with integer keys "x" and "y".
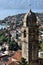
{"x": 16, "y": 57}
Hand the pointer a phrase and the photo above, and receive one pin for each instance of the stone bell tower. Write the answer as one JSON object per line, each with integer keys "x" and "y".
{"x": 29, "y": 37}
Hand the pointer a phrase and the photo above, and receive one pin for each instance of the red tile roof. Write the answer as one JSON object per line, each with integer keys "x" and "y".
{"x": 17, "y": 55}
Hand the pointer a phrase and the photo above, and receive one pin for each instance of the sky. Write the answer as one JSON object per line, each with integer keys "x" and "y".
{"x": 12, "y": 7}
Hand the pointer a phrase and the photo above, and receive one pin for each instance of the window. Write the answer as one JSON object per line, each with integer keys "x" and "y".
{"x": 24, "y": 33}
{"x": 16, "y": 34}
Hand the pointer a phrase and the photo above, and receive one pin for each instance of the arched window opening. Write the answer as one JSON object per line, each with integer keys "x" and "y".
{"x": 24, "y": 33}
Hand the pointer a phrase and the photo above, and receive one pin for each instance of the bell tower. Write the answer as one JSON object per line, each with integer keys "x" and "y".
{"x": 29, "y": 37}
{"x": 24, "y": 39}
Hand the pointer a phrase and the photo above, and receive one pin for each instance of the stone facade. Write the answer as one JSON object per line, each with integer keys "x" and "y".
{"x": 29, "y": 37}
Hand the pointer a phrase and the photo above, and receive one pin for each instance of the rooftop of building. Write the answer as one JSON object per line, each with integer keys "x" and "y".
{"x": 13, "y": 60}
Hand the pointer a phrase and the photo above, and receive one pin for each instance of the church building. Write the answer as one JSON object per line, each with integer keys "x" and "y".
{"x": 29, "y": 37}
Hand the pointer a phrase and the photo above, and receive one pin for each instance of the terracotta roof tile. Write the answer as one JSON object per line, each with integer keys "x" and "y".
{"x": 17, "y": 55}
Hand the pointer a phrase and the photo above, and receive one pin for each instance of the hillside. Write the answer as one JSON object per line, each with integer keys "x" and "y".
{"x": 19, "y": 17}
{"x": 12, "y": 19}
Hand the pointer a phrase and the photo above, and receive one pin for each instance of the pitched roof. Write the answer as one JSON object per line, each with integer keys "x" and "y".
{"x": 17, "y": 55}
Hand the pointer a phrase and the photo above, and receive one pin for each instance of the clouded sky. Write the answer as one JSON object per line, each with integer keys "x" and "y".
{"x": 11, "y": 7}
